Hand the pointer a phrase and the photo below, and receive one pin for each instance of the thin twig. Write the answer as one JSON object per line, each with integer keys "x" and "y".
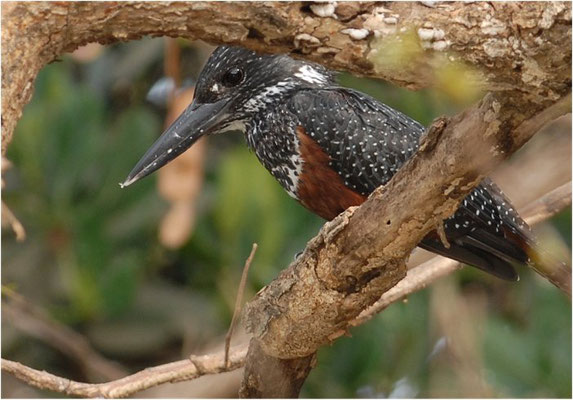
{"x": 549, "y": 205}
{"x": 417, "y": 278}
{"x": 9, "y": 219}
{"x": 556, "y": 271}
{"x": 239, "y": 301}
{"x": 172, "y": 372}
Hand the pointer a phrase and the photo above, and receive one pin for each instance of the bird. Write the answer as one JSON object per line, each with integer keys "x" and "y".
{"x": 330, "y": 147}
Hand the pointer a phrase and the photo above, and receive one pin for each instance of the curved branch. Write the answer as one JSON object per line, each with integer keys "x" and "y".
{"x": 173, "y": 372}
{"x": 357, "y": 257}
{"x": 509, "y": 46}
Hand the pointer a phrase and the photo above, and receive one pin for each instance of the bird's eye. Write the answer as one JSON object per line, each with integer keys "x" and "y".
{"x": 233, "y": 77}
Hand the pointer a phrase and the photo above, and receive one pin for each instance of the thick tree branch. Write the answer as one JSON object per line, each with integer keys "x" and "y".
{"x": 509, "y": 46}
{"x": 425, "y": 274}
{"x": 418, "y": 278}
{"x": 279, "y": 336}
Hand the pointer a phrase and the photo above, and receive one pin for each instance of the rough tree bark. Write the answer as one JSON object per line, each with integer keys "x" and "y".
{"x": 519, "y": 52}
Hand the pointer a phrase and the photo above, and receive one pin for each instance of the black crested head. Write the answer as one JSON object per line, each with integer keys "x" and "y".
{"x": 252, "y": 81}
{"x": 234, "y": 85}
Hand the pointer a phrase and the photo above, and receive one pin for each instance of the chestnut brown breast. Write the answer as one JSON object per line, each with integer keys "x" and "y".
{"x": 320, "y": 188}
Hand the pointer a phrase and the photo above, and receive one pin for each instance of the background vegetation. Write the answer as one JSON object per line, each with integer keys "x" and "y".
{"x": 92, "y": 259}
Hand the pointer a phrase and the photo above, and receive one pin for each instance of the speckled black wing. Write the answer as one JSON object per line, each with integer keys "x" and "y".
{"x": 368, "y": 142}
{"x": 486, "y": 232}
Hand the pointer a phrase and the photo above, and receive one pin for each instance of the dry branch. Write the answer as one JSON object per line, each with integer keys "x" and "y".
{"x": 417, "y": 279}
{"x": 512, "y": 46}
{"x": 172, "y": 372}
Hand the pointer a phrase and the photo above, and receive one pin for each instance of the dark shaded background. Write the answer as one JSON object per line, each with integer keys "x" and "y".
{"x": 92, "y": 260}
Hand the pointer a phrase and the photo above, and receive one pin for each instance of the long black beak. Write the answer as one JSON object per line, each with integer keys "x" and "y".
{"x": 197, "y": 120}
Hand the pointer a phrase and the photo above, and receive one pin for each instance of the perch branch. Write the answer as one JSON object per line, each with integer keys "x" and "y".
{"x": 355, "y": 258}
{"x": 418, "y": 278}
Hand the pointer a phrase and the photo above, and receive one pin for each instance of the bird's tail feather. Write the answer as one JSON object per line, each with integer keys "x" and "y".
{"x": 498, "y": 256}
{"x": 475, "y": 256}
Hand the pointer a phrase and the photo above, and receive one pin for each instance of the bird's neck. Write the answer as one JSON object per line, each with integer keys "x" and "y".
{"x": 272, "y": 136}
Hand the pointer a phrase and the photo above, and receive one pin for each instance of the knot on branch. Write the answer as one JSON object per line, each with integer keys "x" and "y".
{"x": 430, "y": 139}
{"x": 327, "y": 286}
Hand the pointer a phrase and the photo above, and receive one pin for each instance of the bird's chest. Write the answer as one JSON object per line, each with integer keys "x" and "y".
{"x": 277, "y": 148}
{"x": 302, "y": 167}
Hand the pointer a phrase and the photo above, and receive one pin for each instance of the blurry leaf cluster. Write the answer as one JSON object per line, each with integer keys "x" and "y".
{"x": 92, "y": 258}
{"x": 453, "y": 82}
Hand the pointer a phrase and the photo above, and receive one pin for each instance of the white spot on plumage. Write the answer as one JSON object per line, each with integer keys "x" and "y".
{"x": 310, "y": 75}
{"x": 267, "y": 96}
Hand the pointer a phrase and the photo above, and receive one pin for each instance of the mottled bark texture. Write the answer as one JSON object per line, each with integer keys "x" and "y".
{"x": 519, "y": 52}
{"x": 271, "y": 377}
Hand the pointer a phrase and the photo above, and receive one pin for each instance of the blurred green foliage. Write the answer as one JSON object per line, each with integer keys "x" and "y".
{"x": 67, "y": 194}
{"x": 92, "y": 258}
